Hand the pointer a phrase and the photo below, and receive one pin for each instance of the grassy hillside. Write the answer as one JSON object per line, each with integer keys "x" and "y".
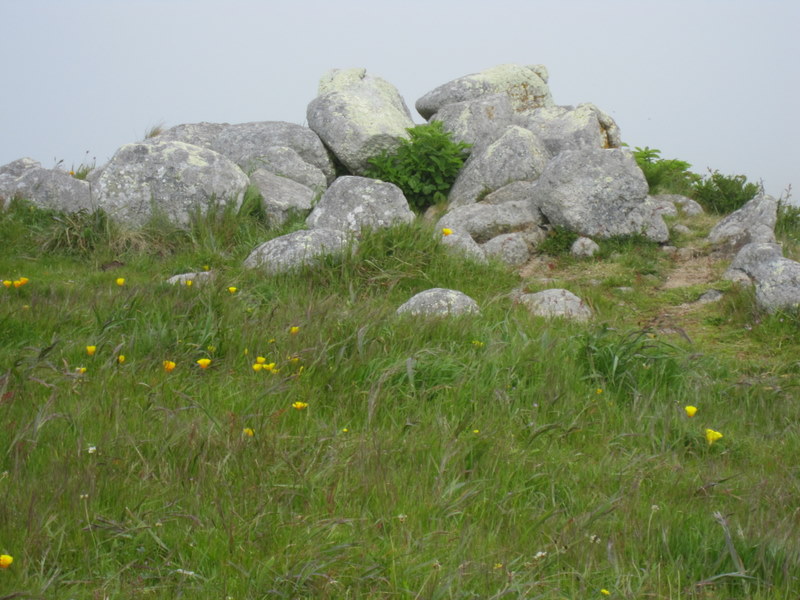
{"x": 381, "y": 457}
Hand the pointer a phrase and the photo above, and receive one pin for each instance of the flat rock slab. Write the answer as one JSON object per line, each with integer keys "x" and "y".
{"x": 439, "y": 302}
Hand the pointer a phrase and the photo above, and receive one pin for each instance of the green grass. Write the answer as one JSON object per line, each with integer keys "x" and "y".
{"x": 493, "y": 456}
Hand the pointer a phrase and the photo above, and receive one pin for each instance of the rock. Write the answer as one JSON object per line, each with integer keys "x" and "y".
{"x": 557, "y": 303}
{"x": 462, "y": 242}
{"x": 566, "y": 128}
{"x": 525, "y": 86}
{"x": 284, "y": 161}
{"x": 353, "y": 203}
{"x": 753, "y": 223}
{"x": 777, "y": 279}
{"x": 478, "y": 122}
{"x": 250, "y": 145}
{"x": 510, "y": 248}
{"x": 709, "y": 297}
{"x": 358, "y": 116}
{"x": 663, "y": 207}
{"x": 198, "y": 134}
{"x": 681, "y": 229}
{"x": 689, "y": 207}
{"x": 199, "y": 278}
{"x": 485, "y": 221}
{"x": 46, "y": 188}
{"x": 598, "y": 193}
{"x": 282, "y": 197}
{"x": 516, "y": 191}
{"x": 517, "y": 155}
{"x": 438, "y": 302}
{"x": 169, "y": 179}
{"x": 298, "y": 249}
{"x": 584, "y": 247}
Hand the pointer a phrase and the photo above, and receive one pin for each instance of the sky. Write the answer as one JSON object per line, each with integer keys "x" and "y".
{"x": 712, "y": 82}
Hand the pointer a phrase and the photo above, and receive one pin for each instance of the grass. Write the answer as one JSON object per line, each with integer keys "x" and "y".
{"x": 494, "y": 456}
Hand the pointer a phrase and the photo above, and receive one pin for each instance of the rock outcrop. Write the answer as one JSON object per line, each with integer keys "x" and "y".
{"x": 753, "y": 223}
{"x": 776, "y": 278}
{"x": 299, "y": 249}
{"x": 439, "y": 302}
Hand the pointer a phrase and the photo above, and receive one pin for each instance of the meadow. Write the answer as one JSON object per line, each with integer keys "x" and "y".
{"x": 289, "y": 436}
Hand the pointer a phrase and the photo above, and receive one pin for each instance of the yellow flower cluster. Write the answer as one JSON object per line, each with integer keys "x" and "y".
{"x": 16, "y": 283}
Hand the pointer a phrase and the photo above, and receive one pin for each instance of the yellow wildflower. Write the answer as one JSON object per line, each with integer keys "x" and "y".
{"x": 80, "y": 370}
{"x": 476, "y": 431}
{"x": 690, "y": 410}
{"x": 260, "y": 360}
{"x": 120, "y": 281}
{"x": 300, "y": 405}
{"x": 8, "y": 283}
{"x": 345, "y": 430}
{"x": 90, "y": 350}
{"x": 712, "y": 436}
{"x": 6, "y": 560}
{"x": 257, "y": 366}
{"x": 498, "y": 565}
{"x": 447, "y": 231}
{"x": 18, "y": 283}
{"x": 294, "y": 330}
{"x": 605, "y": 592}
{"x": 477, "y": 343}
{"x": 204, "y": 362}
{"x": 598, "y": 391}
{"x": 248, "y": 432}
{"x": 189, "y": 283}
{"x": 169, "y": 366}
{"x": 232, "y": 290}
{"x": 121, "y": 358}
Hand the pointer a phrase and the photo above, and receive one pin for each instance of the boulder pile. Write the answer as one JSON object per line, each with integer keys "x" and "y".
{"x": 533, "y": 166}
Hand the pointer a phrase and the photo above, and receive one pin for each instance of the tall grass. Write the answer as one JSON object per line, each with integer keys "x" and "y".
{"x": 492, "y": 456}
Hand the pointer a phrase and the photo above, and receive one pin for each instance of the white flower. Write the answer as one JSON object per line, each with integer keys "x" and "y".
{"x": 91, "y": 449}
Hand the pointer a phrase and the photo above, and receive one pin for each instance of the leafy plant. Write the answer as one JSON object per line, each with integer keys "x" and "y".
{"x": 665, "y": 176}
{"x": 723, "y": 194}
{"x": 787, "y": 227}
{"x": 559, "y": 241}
{"x": 423, "y": 166}
{"x": 82, "y": 171}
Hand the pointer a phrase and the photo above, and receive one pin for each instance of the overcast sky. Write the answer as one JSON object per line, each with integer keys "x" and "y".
{"x": 713, "y": 82}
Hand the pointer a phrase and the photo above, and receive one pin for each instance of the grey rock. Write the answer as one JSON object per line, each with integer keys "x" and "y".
{"x": 52, "y": 188}
{"x": 478, "y": 122}
{"x": 198, "y": 278}
{"x": 584, "y": 247}
{"x": 169, "y": 179}
{"x": 282, "y": 197}
{"x": 754, "y": 222}
{"x": 525, "y": 86}
{"x": 516, "y": 191}
{"x": 599, "y": 193}
{"x": 198, "y": 134}
{"x": 286, "y": 162}
{"x": 569, "y": 128}
{"x": 484, "y": 221}
{"x": 439, "y": 302}
{"x": 557, "y": 303}
{"x": 358, "y": 116}
{"x": 689, "y": 207}
{"x": 663, "y": 207}
{"x": 353, "y": 203}
{"x": 709, "y": 297}
{"x": 776, "y": 278}
{"x": 295, "y": 250}
{"x": 510, "y": 248}
{"x": 250, "y": 145}
{"x": 517, "y": 155}
{"x": 463, "y": 244}
{"x": 18, "y": 168}
{"x": 681, "y": 229}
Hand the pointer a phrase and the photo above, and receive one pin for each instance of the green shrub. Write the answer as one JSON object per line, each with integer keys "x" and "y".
{"x": 723, "y": 194}
{"x": 665, "y": 176}
{"x": 423, "y": 166}
{"x": 559, "y": 241}
{"x": 787, "y": 227}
